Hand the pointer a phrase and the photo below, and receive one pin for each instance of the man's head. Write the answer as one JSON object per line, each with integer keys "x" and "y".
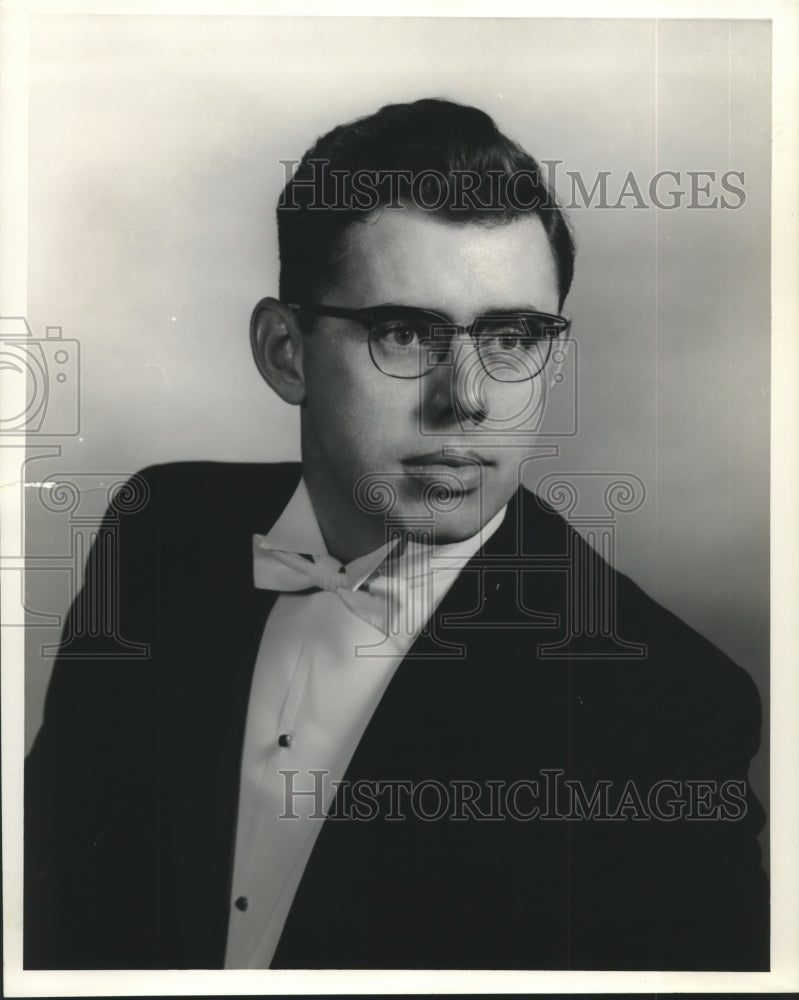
{"x": 425, "y": 206}
{"x": 450, "y": 160}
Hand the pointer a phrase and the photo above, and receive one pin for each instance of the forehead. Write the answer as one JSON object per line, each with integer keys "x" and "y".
{"x": 414, "y": 258}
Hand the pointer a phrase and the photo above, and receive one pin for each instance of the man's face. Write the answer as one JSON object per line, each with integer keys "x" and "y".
{"x": 455, "y": 424}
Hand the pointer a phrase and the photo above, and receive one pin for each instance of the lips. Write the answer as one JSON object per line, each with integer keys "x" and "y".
{"x": 437, "y": 460}
{"x": 461, "y": 472}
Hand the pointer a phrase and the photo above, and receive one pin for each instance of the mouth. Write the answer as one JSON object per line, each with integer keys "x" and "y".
{"x": 460, "y": 473}
{"x": 438, "y": 460}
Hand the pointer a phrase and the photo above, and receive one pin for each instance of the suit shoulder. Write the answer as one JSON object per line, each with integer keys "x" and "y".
{"x": 677, "y": 660}
{"x": 691, "y": 655}
{"x": 218, "y": 477}
{"x": 688, "y": 684}
{"x": 210, "y": 492}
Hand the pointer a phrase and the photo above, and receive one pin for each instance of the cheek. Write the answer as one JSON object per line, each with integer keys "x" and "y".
{"x": 514, "y": 407}
{"x": 331, "y": 381}
{"x": 355, "y": 410}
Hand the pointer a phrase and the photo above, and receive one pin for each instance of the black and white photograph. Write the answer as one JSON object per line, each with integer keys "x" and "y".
{"x": 399, "y": 500}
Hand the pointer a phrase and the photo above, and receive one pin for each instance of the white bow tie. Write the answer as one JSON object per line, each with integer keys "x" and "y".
{"x": 358, "y": 583}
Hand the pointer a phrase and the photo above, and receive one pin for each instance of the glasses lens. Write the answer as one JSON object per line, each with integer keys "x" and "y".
{"x": 399, "y": 344}
{"x": 515, "y": 349}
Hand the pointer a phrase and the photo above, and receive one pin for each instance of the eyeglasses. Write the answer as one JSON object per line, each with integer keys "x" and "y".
{"x": 406, "y": 342}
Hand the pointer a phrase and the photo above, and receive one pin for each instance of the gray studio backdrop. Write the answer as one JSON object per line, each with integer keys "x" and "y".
{"x": 154, "y": 168}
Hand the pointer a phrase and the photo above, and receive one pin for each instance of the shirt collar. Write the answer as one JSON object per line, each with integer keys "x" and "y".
{"x": 297, "y": 529}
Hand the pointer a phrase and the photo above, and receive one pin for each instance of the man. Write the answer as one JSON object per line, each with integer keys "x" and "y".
{"x": 362, "y": 738}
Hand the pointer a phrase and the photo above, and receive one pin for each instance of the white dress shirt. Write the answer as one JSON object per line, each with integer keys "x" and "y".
{"x": 319, "y": 675}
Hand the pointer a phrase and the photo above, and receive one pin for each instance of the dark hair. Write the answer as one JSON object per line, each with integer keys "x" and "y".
{"x": 443, "y": 157}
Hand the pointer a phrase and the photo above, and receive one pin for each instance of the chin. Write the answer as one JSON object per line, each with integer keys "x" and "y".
{"x": 453, "y": 519}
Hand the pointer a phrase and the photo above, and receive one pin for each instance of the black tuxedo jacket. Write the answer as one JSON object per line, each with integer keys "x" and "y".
{"x": 132, "y": 784}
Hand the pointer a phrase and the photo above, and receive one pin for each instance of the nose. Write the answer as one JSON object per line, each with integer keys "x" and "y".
{"x": 459, "y": 383}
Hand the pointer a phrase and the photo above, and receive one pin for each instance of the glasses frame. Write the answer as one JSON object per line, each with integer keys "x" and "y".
{"x": 556, "y": 327}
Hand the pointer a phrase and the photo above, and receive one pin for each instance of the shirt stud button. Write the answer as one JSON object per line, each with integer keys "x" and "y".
{"x": 241, "y": 903}
{"x": 284, "y": 740}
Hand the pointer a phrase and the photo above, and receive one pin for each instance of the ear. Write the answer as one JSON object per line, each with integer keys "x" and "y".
{"x": 276, "y": 341}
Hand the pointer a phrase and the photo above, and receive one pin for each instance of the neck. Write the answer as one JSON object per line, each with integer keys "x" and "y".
{"x": 348, "y": 532}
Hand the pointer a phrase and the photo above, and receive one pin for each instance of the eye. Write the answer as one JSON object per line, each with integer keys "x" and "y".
{"x": 506, "y": 337}
{"x": 508, "y": 340}
{"x": 403, "y": 335}
{"x": 397, "y": 334}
